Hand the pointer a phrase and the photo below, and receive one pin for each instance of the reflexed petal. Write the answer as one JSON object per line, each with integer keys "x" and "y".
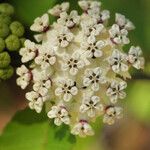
{"x": 57, "y": 121}
{"x": 86, "y": 81}
{"x": 73, "y": 71}
{"x": 91, "y": 113}
{"x": 83, "y": 108}
{"x": 66, "y": 120}
{"x": 52, "y": 60}
{"x": 95, "y": 86}
{"x": 64, "y": 43}
{"x": 74, "y": 90}
{"x": 67, "y": 97}
{"x": 124, "y": 67}
{"x": 98, "y": 53}
{"x": 58, "y": 91}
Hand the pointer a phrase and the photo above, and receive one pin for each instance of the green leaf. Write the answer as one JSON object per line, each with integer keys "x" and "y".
{"x": 31, "y": 131}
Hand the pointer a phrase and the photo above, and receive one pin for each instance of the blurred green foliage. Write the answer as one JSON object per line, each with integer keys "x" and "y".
{"x": 138, "y": 100}
{"x": 34, "y": 132}
{"x": 31, "y": 131}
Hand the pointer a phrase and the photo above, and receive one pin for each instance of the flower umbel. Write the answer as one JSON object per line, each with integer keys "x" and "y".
{"x": 80, "y": 67}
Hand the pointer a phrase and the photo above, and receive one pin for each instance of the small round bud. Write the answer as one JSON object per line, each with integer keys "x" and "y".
{"x": 6, "y": 9}
{"x": 2, "y": 44}
{"x": 17, "y": 28}
{"x": 4, "y": 30}
{"x": 12, "y": 43}
{"x": 4, "y": 59}
{"x": 6, "y": 73}
{"x": 5, "y": 19}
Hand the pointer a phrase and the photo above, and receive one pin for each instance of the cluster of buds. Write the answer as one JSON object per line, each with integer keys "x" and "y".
{"x": 11, "y": 39}
{"x": 78, "y": 66}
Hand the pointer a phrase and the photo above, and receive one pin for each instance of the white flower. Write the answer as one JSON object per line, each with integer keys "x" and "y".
{"x": 100, "y": 16}
{"x": 118, "y": 36}
{"x": 91, "y": 106}
{"x": 123, "y": 22}
{"x": 134, "y": 57}
{"x": 88, "y": 5}
{"x": 24, "y": 76}
{"x": 29, "y": 51}
{"x": 111, "y": 114}
{"x": 82, "y": 128}
{"x": 42, "y": 86}
{"x": 93, "y": 77}
{"x": 56, "y": 10}
{"x": 60, "y": 115}
{"x": 90, "y": 27}
{"x": 118, "y": 61}
{"x": 72, "y": 63}
{"x": 93, "y": 47}
{"x": 40, "y": 37}
{"x": 35, "y": 101}
{"x": 104, "y": 16}
{"x": 46, "y": 56}
{"x": 41, "y": 24}
{"x": 63, "y": 37}
{"x": 115, "y": 91}
{"x": 69, "y": 20}
{"x": 66, "y": 88}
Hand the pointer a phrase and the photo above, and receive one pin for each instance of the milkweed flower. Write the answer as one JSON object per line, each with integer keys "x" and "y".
{"x": 78, "y": 67}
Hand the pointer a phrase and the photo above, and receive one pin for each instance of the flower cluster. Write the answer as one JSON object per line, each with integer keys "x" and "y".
{"x": 11, "y": 39}
{"x": 78, "y": 66}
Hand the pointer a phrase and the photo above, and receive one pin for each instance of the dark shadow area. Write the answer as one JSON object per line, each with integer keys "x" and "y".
{"x": 29, "y": 116}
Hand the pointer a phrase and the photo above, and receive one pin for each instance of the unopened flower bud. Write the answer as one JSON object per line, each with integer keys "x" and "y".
{"x": 17, "y": 28}
{"x": 2, "y": 44}
{"x": 6, "y": 73}
{"x": 4, "y": 30}
{"x": 4, "y": 59}
{"x": 12, "y": 43}
{"x": 5, "y": 19}
{"x": 6, "y": 9}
